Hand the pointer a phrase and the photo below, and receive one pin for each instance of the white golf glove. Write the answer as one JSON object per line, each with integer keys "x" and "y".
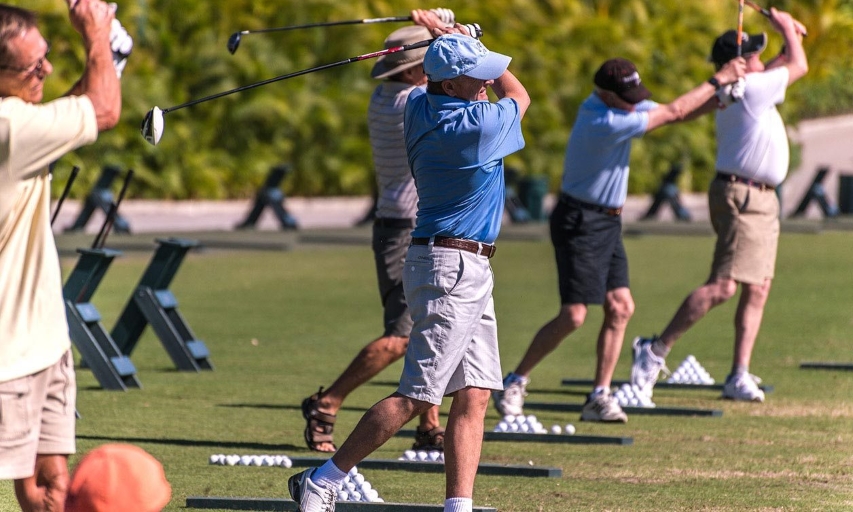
{"x": 445, "y": 15}
{"x": 731, "y": 93}
{"x": 121, "y": 44}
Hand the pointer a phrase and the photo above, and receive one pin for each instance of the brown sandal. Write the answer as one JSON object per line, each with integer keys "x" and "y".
{"x": 320, "y": 425}
{"x": 429, "y": 440}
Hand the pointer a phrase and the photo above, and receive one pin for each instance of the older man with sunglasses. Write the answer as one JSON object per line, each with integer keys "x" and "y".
{"x": 37, "y": 383}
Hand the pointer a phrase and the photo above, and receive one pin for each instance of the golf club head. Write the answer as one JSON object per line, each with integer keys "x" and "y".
{"x": 234, "y": 42}
{"x": 152, "y": 126}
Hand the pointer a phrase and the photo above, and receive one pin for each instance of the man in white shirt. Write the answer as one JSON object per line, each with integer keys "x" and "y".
{"x": 37, "y": 384}
{"x": 752, "y": 160}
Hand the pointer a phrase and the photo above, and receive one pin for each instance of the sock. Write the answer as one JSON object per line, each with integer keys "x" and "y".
{"x": 659, "y": 348}
{"x": 328, "y": 475}
{"x": 600, "y": 390}
{"x": 514, "y": 377}
{"x": 458, "y": 505}
{"x": 739, "y": 370}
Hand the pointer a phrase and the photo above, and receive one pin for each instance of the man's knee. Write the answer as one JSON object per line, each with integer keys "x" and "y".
{"x": 724, "y": 289}
{"x": 618, "y": 306}
{"x": 393, "y": 347}
{"x": 47, "y": 488}
{"x": 571, "y": 317}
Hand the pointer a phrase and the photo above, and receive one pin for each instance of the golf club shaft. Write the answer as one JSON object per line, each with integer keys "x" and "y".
{"x": 101, "y": 239}
{"x": 757, "y": 7}
{"x": 740, "y": 27}
{"x": 387, "y": 51}
{"x": 329, "y": 24}
{"x": 65, "y": 192}
{"x": 763, "y": 11}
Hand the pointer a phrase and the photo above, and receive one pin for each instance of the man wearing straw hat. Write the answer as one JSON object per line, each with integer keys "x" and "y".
{"x": 396, "y": 205}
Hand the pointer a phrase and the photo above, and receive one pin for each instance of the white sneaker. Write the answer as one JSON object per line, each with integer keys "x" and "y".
{"x": 603, "y": 407}
{"x": 511, "y": 399}
{"x": 310, "y": 497}
{"x": 743, "y": 386}
{"x": 646, "y": 366}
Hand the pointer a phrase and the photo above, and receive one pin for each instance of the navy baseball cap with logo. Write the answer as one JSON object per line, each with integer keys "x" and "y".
{"x": 725, "y": 47}
{"x": 621, "y": 76}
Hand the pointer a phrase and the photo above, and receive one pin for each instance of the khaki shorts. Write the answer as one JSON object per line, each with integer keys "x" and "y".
{"x": 454, "y": 341}
{"x": 37, "y": 416}
{"x": 746, "y": 220}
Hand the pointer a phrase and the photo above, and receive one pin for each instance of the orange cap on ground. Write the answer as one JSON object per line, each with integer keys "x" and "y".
{"x": 115, "y": 477}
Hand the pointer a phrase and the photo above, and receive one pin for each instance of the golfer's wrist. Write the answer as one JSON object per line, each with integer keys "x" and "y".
{"x": 715, "y": 82}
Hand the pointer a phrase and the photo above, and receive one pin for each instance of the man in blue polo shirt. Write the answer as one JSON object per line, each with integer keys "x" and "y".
{"x": 586, "y": 227}
{"x": 456, "y": 140}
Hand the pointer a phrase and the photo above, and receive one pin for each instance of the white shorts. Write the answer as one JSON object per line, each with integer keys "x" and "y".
{"x": 454, "y": 340}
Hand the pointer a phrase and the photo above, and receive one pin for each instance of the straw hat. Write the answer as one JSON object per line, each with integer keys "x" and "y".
{"x": 393, "y": 63}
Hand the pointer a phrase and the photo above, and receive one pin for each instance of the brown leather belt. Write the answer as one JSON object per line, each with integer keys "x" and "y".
{"x": 478, "y": 248}
{"x": 613, "y": 212}
{"x": 731, "y": 178}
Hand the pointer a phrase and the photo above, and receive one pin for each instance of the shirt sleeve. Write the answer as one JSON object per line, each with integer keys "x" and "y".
{"x": 38, "y": 134}
{"x": 501, "y": 134}
{"x": 766, "y": 90}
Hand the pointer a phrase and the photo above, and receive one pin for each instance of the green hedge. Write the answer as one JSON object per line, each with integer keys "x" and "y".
{"x": 316, "y": 122}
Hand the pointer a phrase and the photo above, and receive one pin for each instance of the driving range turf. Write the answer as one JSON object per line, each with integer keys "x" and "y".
{"x": 279, "y": 324}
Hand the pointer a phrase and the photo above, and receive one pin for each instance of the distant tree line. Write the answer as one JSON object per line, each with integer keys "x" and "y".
{"x": 316, "y": 122}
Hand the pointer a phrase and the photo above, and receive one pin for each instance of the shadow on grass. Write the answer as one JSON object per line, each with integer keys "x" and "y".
{"x": 285, "y": 407}
{"x": 194, "y": 442}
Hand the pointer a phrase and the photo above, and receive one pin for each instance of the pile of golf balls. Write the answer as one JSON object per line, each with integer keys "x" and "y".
{"x": 251, "y": 460}
{"x": 690, "y": 372}
{"x": 356, "y": 488}
{"x": 423, "y": 456}
{"x": 521, "y": 423}
{"x": 629, "y": 395}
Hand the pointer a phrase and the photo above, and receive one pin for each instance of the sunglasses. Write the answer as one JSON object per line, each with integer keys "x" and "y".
{"x": 29, "y": 70}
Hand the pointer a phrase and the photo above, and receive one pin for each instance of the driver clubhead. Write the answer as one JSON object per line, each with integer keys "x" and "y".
{"x": 152, "y": 125}
{"x": 233, "y": 42}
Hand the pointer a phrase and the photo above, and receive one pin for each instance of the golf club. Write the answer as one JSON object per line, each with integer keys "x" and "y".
{"x": 763, "y": 11}
{"x": 446, "y": 15}
{"x": 234, "y": 40}
{"x": 154, "y": 122}
{"x": 740, "y": 27}
{"x": 65, "y": 192}
{"x": 101, "y": 239}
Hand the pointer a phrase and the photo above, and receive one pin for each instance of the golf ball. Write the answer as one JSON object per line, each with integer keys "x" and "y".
{"x": 570, "y": 429}
{"x": 556, "y": 429}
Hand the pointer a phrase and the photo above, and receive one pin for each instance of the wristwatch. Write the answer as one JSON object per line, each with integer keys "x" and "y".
{"x": 716, "y": 83}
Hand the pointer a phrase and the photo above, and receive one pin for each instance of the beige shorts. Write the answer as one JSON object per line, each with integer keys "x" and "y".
{"x": 454, "y": 341}
{"x": 37, "y": 416}
{"x": 746, "y": 220}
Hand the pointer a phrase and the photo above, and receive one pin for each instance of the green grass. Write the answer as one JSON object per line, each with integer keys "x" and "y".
{"x": 280, "y": 324}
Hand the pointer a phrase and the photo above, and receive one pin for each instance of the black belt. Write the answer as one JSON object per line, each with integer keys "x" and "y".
{"x": 613, "y": 212}
{"x": 394, "y": 223}
{"x": 478, "y": 248}
{"x": 731, "y": 178}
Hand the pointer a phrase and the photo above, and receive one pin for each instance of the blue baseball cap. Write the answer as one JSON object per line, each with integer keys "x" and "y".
{"x": 452, "y": 55}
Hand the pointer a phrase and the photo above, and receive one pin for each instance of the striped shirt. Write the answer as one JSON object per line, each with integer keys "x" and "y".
{"x": 397, "y": 198}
